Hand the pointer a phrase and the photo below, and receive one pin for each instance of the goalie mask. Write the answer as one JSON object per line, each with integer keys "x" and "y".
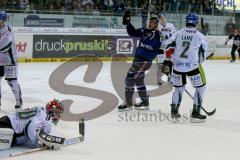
{"x": 54, "y": 109}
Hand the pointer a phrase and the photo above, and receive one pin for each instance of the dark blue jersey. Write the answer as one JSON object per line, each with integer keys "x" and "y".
{"x": 150, "y": 42}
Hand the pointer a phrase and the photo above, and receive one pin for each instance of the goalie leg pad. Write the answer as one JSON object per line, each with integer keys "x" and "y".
{"x": 6, "y": 137}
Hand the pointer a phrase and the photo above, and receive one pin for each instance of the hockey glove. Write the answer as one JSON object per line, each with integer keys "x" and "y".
{"x": 52, "y": 142}
{"x": 167, "y": 67}
{"x": 127, "y": 17}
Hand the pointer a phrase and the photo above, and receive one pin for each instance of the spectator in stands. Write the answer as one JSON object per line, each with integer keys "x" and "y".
{"x": 204, "y": 27}
{"x": 159, "y": 6}
{"x": 23, "y": 4}
{"x": 88, "y": 8}
{"x": 77, "y": 6}
{"x": 4, "y": 3}
{"x": 107, "y": 4}
{"x": 207, "y": 29}
{"x": 68, "y": 4}
{"x": 207, "y": 6}
{"x": 95, "y": 11}
{"x": 229, "y": 27}
{"x": 118, "y": 5}
{"x": 87, "y": 2}
{"x": 110, "y": 5}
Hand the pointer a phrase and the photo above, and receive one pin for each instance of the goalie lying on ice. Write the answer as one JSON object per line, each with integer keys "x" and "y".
{"x": 31, "y": 127}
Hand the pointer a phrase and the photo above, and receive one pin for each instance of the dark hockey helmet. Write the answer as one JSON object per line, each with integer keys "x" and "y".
{"x": 192, "y": 19}
{"x": 54, "y": 109}
{"x": 3, "y": 15}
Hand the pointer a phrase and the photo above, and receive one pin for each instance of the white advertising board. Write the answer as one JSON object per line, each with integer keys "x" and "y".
{"x": 216, "y": 46}
{"x": 24, "y": 44}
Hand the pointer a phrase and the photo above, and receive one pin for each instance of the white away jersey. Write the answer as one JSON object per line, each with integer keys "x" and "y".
{"x": 8, "y": 52}
{"x": 190, "y": 49}
{"x": 167, "y": 30}
{"x": 26, "y": 122}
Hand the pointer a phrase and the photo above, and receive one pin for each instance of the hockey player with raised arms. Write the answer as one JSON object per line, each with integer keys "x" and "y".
{"x": 167, "y": 29}
{"x": 26, "y": 127}
{"x": 190, "y": 48}
{"x": 8, "y": 59}
{"x": 150, "y": 42}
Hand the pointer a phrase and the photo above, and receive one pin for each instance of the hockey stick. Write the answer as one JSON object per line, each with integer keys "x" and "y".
{"x": 210, "y": 56}
{"x": 67, "y": 142}
{"x": 208, "y": 113}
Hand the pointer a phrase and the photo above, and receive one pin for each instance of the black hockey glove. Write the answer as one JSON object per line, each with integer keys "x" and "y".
{"x": 127, "y": 17}
{"x": 167, "y": 67}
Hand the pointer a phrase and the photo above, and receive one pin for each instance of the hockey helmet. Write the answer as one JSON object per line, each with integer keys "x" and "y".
{"x": 3, "y": 15}
{"x": 192, "y": 19}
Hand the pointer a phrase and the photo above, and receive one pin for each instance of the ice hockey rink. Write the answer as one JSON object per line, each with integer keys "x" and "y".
{"x": 112, "y": 138}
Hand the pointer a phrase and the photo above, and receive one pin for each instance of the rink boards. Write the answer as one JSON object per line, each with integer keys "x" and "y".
{"x": 60, "y": 45}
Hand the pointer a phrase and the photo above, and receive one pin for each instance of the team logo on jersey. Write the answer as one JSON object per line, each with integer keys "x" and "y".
{"x": 149, "y": 35}
{"x": 166, "y": 30}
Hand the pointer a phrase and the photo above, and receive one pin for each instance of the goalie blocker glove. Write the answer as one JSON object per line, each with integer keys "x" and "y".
{"x": 52, "y": 142}
{"x": 127, "y": 17}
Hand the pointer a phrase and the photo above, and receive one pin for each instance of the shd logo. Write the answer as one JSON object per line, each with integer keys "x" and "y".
{"x": 61, "y": 46}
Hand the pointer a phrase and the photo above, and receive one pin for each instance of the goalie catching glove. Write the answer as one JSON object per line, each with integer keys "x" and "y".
{"x": 127, "y": 17}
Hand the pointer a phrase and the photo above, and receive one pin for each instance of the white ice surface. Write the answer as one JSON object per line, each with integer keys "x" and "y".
{"x": 107, "y": 138}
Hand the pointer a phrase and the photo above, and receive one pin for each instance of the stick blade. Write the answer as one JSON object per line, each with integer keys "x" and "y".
{"x": 212, "y": 112}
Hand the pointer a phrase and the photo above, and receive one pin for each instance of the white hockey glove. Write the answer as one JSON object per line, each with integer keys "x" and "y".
{"x": 52, "y": 142}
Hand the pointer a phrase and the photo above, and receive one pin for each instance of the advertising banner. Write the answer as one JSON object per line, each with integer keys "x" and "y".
{"x": 37, "y": 21}
{"x": 24, "y": 44}
{"x": 229, "y": 4}
{"x": 100, "y": 22}
{"x": 216, "y": 46}
{"x": 67, "y": 46}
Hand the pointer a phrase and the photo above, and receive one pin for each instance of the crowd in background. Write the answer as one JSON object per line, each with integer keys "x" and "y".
{"x": 197, "y": 6}
{"x": 96, "y": 7}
